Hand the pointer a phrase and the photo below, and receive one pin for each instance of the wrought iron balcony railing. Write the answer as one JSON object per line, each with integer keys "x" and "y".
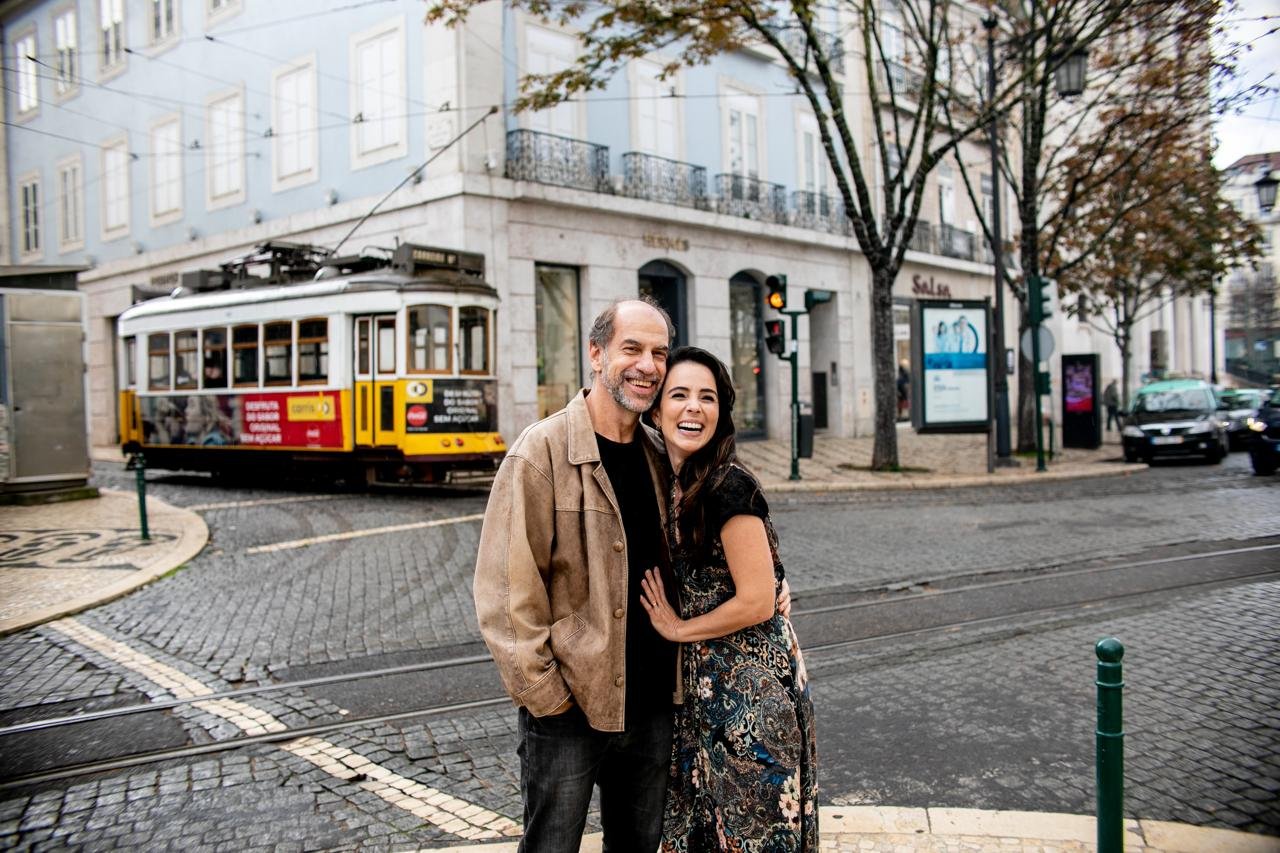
{"x": 831, "y": 45}
{"x": 751, "y": 198}
{"x": 955, "y": 243}
{"x": 904, "y": 80}
{"x": 819, "y": 211}
{"x": 559, "y": 160}
{"x": 922, "y": 238}
{"x": 660, "y": 179}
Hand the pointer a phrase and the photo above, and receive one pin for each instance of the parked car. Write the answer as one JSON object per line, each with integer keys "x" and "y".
{"x": 1264, "y": 450}
{"x": 1238, "y": 405}
{"x": 1174, "y": 417}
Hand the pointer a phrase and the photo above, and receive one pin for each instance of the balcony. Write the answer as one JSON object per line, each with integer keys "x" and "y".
{"x": 922, "y": 239}
{"x": 831, "y": 45}
{"x": 904, "y": 81}
{"x": 558, "y": 160}
{"x": 751, "y": 198}
{"x": 819, "y": 212}
{"x": 668, "y": 181}
{"x": 955, "y": 243}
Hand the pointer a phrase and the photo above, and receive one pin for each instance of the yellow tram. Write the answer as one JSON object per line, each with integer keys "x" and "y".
{"x": 378, "y": 366}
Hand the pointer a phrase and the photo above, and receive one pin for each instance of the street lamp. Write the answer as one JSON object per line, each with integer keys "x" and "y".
{"x": 1266, "y": 186}
{"x": 1069, "y": 81}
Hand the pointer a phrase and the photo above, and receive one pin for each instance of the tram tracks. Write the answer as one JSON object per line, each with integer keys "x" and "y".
{"x": 467, "y": 682}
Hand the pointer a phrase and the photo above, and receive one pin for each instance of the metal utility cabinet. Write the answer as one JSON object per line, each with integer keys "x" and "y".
{"x": 44, "y": 435}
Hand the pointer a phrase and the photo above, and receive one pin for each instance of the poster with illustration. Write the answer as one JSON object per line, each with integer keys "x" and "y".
{"x": 954, "y": 348}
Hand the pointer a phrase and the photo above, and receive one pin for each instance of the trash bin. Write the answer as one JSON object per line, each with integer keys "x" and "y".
{"x": 804, "y": 432}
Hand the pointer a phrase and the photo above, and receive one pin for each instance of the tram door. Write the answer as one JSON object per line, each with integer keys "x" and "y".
{"x": 375, "y": 374}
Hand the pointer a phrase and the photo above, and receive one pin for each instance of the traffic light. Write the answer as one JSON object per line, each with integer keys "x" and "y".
{"x": 1039, "y": 300}
{"x": 777, "y": 298}
{"x": 773, "y": 336}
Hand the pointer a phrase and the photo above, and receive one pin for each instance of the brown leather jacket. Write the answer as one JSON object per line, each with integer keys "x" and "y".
{"x": 551, "y": 572}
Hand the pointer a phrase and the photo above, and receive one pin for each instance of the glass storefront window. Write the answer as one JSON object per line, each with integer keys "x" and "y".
{"x": 559, "y": 336}
{"x": 746, "y": 363}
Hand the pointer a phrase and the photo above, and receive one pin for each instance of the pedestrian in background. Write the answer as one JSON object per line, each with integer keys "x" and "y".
{"x": 904, "y": 390}
{"x": 744, "y": 774}
{"x": 573, "y": 522}
{"x": 1111, "y": 399}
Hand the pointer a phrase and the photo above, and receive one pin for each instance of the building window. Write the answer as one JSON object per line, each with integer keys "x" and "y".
{"x": 657, "y": 113}
{"x": 746, "y": 358}
{"x": 892, "y": 42}
{"x": 28, "y": 94}
{"x": 815, "y": 171}
{"x": 473, "y": 335}
{"x": 378, "y": 97}
{"x": 547, "y": 52}
{"x": 115, "y": 190}
{"x": 293, "y": 126}
{"x": 946, "y": 195}
{"x": 559, "y": 351}
{"x": 158, "y": 362}
{"x": 163, "y": 20}
{"x": 29, "y": 193}
{"x": 277, "y": 348}
{"x": 66, "y": 46}
{"x": 111, "y": 33}
{"x": 215, "y": 358}
{"x": 313, "y": 351}
{"x": 71, "y": 204}
{"x": 430, "y": 336}
{"x": 217, "y": 10}
{"x": 166, "y": 170}
{"x": 244, "y": 346}
{"x": 744, "y": 135}
{"x": 186, "y": 351}
{"x": 225, "y": 158}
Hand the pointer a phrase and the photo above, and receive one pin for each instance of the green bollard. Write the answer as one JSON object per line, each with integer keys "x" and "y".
{"x": 1110, "y": 747}
{"x": 140, "y": 475}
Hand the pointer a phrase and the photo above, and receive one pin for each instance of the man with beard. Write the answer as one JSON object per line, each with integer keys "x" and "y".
{"x": 575, "y": 518}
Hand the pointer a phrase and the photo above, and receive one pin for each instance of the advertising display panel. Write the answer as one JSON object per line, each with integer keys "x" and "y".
{"x": 952, "y": 343}
{"x": 1081, "y": 401}
{"x": 452, "y": 405}
{"x": 295, "y": 419}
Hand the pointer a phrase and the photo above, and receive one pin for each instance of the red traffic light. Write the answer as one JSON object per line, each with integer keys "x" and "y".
{"x": 773, "y": 339}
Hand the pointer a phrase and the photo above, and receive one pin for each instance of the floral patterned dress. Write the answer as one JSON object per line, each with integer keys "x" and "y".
{"x": 743, "y": 771}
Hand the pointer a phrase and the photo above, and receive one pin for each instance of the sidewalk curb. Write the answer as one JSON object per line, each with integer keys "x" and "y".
{"x": 192, "y": 536}
{"x": 947, "y": 482}
{"x": 901, "y": 828}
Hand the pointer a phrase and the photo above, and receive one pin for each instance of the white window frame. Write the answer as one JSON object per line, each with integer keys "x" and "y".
{"x": 64, "y": 89}
{"x": 159, "y": 39}
{"x": 651, "y": 103}
{"x": 26, "y": 228}
{"x": 70, "y": 205}
{"x": 108, "y": 69}
{"x": 737, "y": 97}
{"x": 395, "y": 124}
{"x": 26, "y": 98}
{"x": 228, "y": 152}
{"x": 110, "y": 230}
{"x": 161, "y": 160}
{"x": 566, "y": 119}
{"x": 812, "y": 175}
{"x": 217, "y": 11}
{"x": 946, "y": 196}
{"x": 307, "y": 138}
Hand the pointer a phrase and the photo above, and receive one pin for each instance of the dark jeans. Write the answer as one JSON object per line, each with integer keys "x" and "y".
{"x": 1113, "y": 414}
{"x": 562, "y": 759}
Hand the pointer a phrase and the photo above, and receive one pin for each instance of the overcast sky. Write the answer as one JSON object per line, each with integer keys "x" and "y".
{"x": 1257, "y": 130}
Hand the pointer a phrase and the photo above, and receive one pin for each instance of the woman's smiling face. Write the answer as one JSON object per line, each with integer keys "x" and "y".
{"x": 688, "y": 410}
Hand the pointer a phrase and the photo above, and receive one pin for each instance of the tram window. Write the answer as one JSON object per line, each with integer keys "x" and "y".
{"x": 185, "y": 355}
{"x": 277, "y": 345}
{"x": 313, "y": 351}
{"x": 158, "y": 362}
{"x": 215, "y": 358}
{"x": 473, "y": 329}
{"x": 429, "y": 338}
{"x": 130, "y": 362}
{"x": 244, "y": 345}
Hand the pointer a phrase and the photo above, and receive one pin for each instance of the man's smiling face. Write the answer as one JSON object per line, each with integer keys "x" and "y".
{"x": 634, "y": 363}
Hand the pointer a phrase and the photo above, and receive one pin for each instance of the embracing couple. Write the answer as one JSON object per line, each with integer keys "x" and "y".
{"x": 629, "y": 587}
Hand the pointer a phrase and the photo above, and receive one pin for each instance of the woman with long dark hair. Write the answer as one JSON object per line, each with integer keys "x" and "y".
{"x": 743, "y": 773}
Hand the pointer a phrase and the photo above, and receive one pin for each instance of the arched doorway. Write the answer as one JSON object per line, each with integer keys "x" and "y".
{"x": 746, "y": 353}
{"x": 665, "y": 283}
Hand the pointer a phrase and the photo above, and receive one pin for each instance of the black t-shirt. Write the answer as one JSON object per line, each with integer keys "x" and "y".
{"x": 651, "y": 660}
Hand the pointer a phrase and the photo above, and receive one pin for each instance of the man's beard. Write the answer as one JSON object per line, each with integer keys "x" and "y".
{"x": 618, "y": 391}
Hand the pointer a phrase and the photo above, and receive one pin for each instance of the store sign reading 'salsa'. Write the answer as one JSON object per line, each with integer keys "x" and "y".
{"x": 922, "y": 286}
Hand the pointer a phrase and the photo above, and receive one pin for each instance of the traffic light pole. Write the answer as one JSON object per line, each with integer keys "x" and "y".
{"x": 1035, "y": 303}
{"x": 794, "y": 358}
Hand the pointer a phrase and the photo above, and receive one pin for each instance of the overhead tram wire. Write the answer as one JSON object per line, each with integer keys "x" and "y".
{"x": 411, "y": 176}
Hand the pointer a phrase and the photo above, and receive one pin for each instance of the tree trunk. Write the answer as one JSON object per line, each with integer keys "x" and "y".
{"x": 884, "y": 454}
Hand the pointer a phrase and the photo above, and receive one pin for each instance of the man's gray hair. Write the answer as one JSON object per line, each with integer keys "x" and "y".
{"x": 602, "y": 328}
